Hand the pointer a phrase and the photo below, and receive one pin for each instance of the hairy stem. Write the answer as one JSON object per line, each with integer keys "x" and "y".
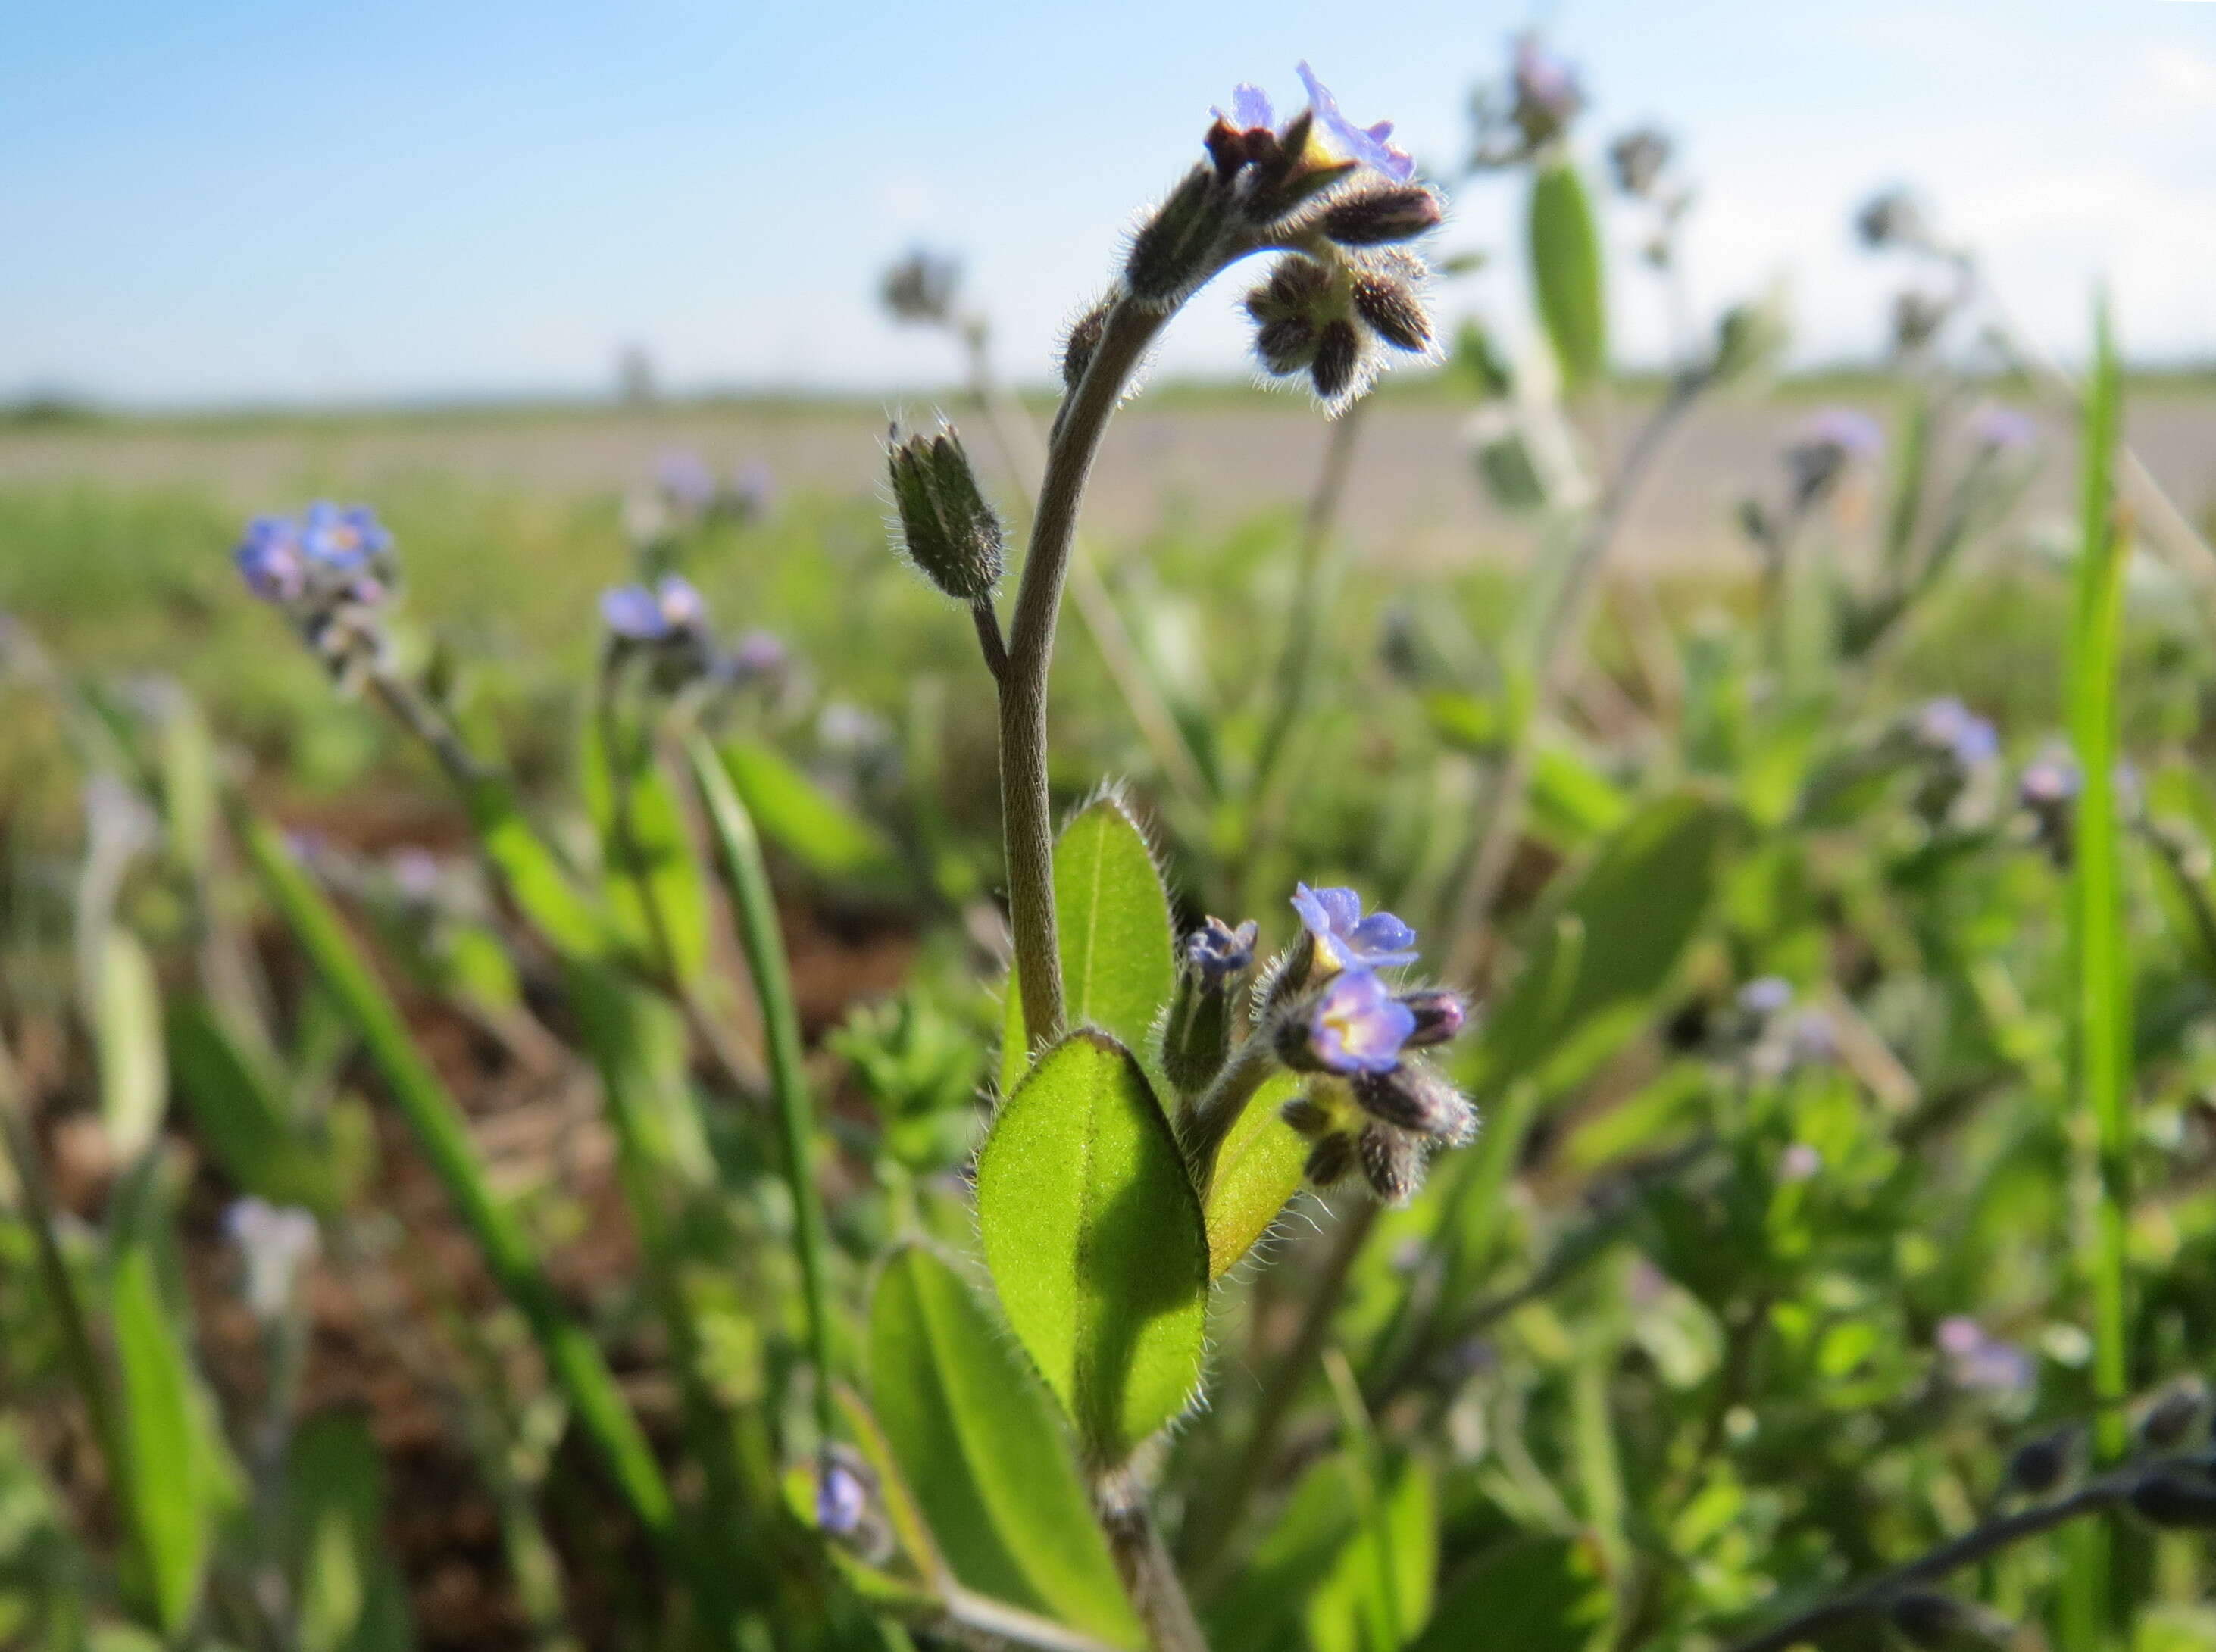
{"x": 1026, "y": 812}
{"x": 1209, "y": 1116}
{"x": 1148, "y": 1575}
{"x": 1974, "y": 1545}
{"x": 1503, "y": 825}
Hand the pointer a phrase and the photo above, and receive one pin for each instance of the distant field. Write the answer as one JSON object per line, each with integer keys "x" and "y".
{"x": 1184, "y": 460}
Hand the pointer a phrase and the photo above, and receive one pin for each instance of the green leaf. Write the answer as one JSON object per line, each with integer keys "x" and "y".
{"x": 1605, "y": 945}
{"x": 241, "y": 1117}
{"x": 656, "y": 889}
{"x": 176, "y": 1476}
{"x": 1566, "y": 273}
{"x": 1572, "y": 802}
{"x": 1385, "y": 1573}
{"x": 348, "y": 1598}
{"x": 1117, "y": 945}
{"x": 134, "y": 1079}
{"x": 1261, "y": 1609}
{"x": 1258, "y": 1167}
{"x": 1540, "y": 1594}
{"x": 1096, "y": 1243}
{"x": 984, "y": 1449}
{"x": 533, "y": 879}
{"x": 806, "y": 822}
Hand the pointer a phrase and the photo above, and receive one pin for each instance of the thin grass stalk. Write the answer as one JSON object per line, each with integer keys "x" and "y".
{"x": 755, "y": 907}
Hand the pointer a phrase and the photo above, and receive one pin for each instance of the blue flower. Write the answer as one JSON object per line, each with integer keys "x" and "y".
{"x": 1357, "y": 1025}
{"x": 343, "y": 537}
{"x": 636, "y": 614}
{"x": 1250, "y": 109}
{"x": 270, "y": 559}
{"x": 1857, "y": 435}
{"x": 1344, "y": 939}
{"x": 1547, "y": 95}
{"x": 1370, "y": 145}
{"x": 1948, "y": 727}
{"x": 842, "y": 1499}
{"x": 1765, "y": 995}
{"x": 686, "y": 481}
{"x": 2005, "y": 429}
{"x": 1217, "y": 952}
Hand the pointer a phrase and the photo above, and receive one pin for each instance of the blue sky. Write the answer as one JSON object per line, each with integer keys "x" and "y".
{"x": 245, "y": 201}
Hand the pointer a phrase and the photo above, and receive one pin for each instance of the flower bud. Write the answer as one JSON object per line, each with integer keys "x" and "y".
{"x": 1394, "y": 312}
{"x": 1380, "y": 217}
{"x": 2039, "y": 1465}
{"x": 1336, "y": 371}
{"x": 1391, "y": 1163}
{"x": 1928, "y": 1618}
{"x": 1417, "y": 1099}
{"x": 2175, "y": 1501}
{"x": 1440, "y": 1015}
{"x": 1307, "y": 1116}
{"x": 1085, "y": 335}
{"x": 1331, "y": 1158}
{"x": 2170, "y": 1418}
{"x": 1175, "y": 249}
{"x": 946, "y": 527}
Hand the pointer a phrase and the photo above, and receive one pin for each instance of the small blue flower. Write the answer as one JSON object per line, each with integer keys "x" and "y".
{"x": 842, "y": 1499}
{"x": 685, "y": 480}
{"x": 1357, "y": 1025}
{"x": 1946, "y": 726}
{"x": 1854, "y": 434}
{"x": 1344, "y": 939}
{"x": 1765, "y": 995}
{"x": 1250, "y": 109}
{"x": 1547, "y": 95}
{"x": 1217, "y": 952}
{"x": 270, "y": 559}
{"x": 1370, "y": 145}
{"x": 343, "y": 537}
{"x": 638, "y": 615}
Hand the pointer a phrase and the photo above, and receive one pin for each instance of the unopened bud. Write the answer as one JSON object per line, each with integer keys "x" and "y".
{"x": 1394, "y": 311}
{"x": 947, "y": 528}
{"x": 1391, "y": 1163}
{"x": 1337, "y": 360}
{"x": 1307, "y": 1116}
{"x": 1175, "y": 249}
{"x": 1440, "y": 1015}
{"x": 1331, "y": 1158}
{"x": 1928, "y": 1618}
{"x": 2039, "y": 1465}
{"x": 2171, "y": 1417}
{"x": 1417, "y": 1099}
{"x": 1085, "y": 335}
{"x": 1381, "y": 217}
{"x": 2176, "y": 1501}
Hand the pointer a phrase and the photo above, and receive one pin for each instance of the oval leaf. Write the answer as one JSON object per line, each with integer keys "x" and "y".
{"x": 987, "y": 1457}
{"x": 1258, "y": 1168}
{"x": 805, "y": 822}
{"x": 1112, "y": 918}
{"x": 134, "y": 1078}
{"x": 1096, "y": 1243}
{"x": 1566, "y": 273}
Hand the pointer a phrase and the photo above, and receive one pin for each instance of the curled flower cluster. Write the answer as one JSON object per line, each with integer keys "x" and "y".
{"x": 1337, "y": 199}
{"x": 1530, "y": 117}
{"x": 330, "y": 571}
{"x": 667, "y": 624}
{"x": 1372, "y": 1103}
{"x": 1829, "y": 443}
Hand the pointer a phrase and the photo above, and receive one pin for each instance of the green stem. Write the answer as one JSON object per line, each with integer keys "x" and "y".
{"x": 764, "y": 944}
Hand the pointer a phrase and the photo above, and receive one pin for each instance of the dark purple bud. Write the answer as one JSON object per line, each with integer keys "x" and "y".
{"x": 1085, "y": 333}
{"x": 2171, "y": 1499}
{"x": 1394, "y": 311}
{"x": 2037, "y": 1466}
{"x": 1417, "y": 1099}
{"x": 1337, "y": 360}
{"x": 1176, "y": 249}
{"x": 1285, "y": 346}
{"x": 1639, "y": 159}
{"x": 1381, "y": 217}
{"x": 1331, "y": 1158}
{"x": 1307, "y": 1116}
{"x": 1391, "y": 1163}
{"x": 1216, "y": 952}
{"x": 2170, "y": 1418}
{"x": 1928, "y": 1618}
{"x": 921, "y": 287}
{"x": 1440, "y": 1015}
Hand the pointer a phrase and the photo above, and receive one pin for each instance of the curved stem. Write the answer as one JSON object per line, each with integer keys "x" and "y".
{"x": 1025, "y": 810}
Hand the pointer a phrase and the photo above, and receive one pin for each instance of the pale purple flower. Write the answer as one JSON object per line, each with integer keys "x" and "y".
{"x": 685, "y": 480}
{"x": 2049, "y": 781}
{"x": 416, "y": 873}
{"x": 1855, "y": 434}
{"x": 1948, "y": 727}
{"x": 1371, "y": 144}
{"x": 273, "y": 1241}
{"x": 636, "y": 614}
{"x": 343, "y": 537}
{"x": 2003, "y": 429}
{"x": 1801, "y": 1163}
{"x": 1250, "y": 109}
{"x": 1216, "y": 951}
{"x": 1764, "y": 996}
{"x": 270, "y": 559}
{"x": 1547, "y": 95}
{"x": 1357, "y": 1025}
{"x": 1980, "y": 1363}
{"x": 1813, "y": 1039}
{"x": 1344, "y": 939}
{"x": 754, "y": 490}
{"x": 757, "y": 654}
